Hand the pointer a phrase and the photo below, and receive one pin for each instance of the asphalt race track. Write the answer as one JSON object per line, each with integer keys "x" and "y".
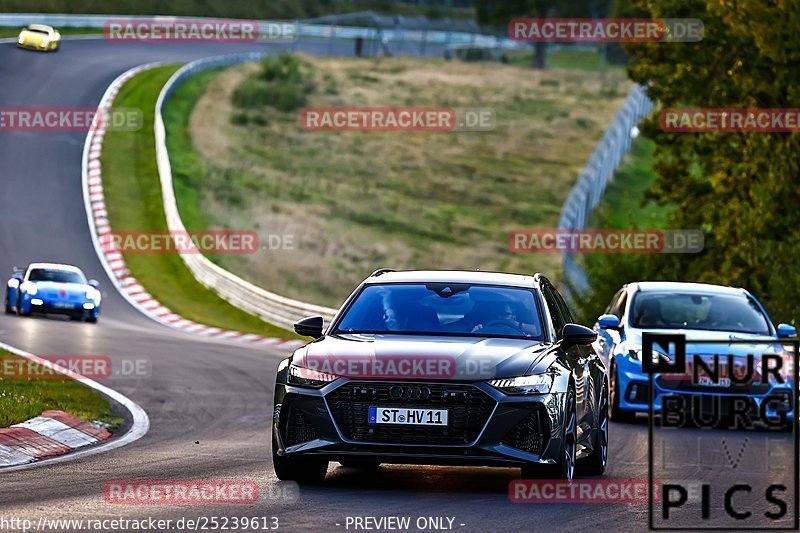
{"x": 209, "y": 402}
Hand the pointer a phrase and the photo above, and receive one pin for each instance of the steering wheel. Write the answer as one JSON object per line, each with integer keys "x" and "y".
{"x": 509, "y": 324}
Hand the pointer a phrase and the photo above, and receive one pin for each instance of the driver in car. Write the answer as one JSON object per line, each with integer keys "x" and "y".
{"x": 497, "y": 314}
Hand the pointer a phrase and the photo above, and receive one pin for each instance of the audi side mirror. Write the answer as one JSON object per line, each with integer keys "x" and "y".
{"x": 786, "y": 330}
{"x": 309, "y": 327}
{"x": 94, "y": 283}
{"x": 608, "y": 321}
{"x": 577, "y": 335}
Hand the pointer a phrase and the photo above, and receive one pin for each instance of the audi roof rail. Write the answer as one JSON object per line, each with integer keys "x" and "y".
{"x": 381, "y": 271}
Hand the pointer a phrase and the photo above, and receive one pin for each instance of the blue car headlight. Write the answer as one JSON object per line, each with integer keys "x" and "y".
{"x": 637, "y": 354}
{"x": 29, "y": 288}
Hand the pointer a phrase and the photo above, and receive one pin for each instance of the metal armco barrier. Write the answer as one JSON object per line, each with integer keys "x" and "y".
{"x": 322, "y": 30}
{"x": 269, "y": 306}
{"x": 591, "y": 185}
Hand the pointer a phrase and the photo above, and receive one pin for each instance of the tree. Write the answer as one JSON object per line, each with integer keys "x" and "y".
{"x": 741, "y": 189}
{"x": 500, "y": 12}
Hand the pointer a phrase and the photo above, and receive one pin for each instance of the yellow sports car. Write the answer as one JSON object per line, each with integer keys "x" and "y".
{"x": 39, "y": 37}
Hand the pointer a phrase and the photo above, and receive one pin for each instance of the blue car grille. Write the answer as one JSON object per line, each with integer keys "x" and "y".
{"x": 56, "y": 296}
{"x": 684, "y": 383}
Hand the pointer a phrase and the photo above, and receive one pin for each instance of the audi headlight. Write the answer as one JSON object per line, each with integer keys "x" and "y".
{"x": 305, "y": 377}
{"x": 29, "y": 288}
{"x": 92, "y": 294}
{"x": 535, "y": 384}
{"x": 13, "y": 283}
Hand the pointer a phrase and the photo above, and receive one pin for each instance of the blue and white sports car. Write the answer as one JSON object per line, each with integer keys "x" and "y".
{"x": 53, "y": 288}
{"x": 700, "y": 312}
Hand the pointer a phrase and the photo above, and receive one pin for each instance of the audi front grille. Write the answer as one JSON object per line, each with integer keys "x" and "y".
{"x": 530, "y": 435}
{"x": 298, "y": 428}
{"x": 468, "y": 408}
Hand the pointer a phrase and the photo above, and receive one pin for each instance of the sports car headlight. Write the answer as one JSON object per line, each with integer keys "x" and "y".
{"x": 21, "y": 39}
{"x": 92, "y": 294}
{"x": 535, "y": 384}
{"x": 29, "y": 288}
{"x": 305, "y": 377}
{"x": 13, "y": 283}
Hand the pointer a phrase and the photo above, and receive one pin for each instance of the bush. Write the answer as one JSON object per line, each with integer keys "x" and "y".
{"x": 282, "y": 83}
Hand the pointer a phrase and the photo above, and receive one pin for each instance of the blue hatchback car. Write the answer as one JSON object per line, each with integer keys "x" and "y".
{"x": 53, "y": 288}
{"x": 701, "y": 313}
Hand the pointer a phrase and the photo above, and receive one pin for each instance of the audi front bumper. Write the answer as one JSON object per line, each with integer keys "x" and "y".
{"x": 485, "y": 427}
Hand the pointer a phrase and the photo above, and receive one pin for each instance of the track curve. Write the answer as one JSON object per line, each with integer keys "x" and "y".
{"x": 209, "y": 401}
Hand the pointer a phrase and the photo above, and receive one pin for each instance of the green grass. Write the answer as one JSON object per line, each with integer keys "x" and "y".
{"x": 22, "y": 398}
{"x": 133, "y": 198}
{"x": 622, "y": 206}
{"x": 568, "y": 58}
{"x": 186, "y": 166}
{"x": 14, "y": 32}
{"x": 357, "y": 201}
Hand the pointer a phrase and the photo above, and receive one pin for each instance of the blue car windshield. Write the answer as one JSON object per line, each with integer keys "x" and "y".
{"x": 712, "y": 312}
{"x": 444, "y": 309}
{"x": 58, "y": 276}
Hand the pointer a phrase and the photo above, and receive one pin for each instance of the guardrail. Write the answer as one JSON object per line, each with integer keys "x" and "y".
{"x": 604, "y": 160}
{"x": 271, "y": 307}
{"x": 397, "y": 36}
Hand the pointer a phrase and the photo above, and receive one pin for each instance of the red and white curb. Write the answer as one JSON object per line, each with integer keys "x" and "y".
{"x": 50, "y": 434}
{"x": 56, "y": 436}
{"x": 111, "y": 257}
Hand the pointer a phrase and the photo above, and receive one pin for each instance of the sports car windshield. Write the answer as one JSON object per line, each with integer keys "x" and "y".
{"x": 444, "y": 309}
{"x": 38, "y": 30}
{"x": 58, "y": 276}
{"x": 712, "y": 312}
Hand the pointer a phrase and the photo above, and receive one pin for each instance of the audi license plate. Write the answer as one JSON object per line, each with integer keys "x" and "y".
{"x": 408, "y": 417}
{"x": 63, "y": 305}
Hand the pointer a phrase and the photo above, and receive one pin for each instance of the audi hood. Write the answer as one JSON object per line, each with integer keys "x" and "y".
{"x": 424, "y": 357}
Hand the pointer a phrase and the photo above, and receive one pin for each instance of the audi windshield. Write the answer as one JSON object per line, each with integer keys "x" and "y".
{"x": 444, "y": 309}
{"x": 712, "y": 312}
